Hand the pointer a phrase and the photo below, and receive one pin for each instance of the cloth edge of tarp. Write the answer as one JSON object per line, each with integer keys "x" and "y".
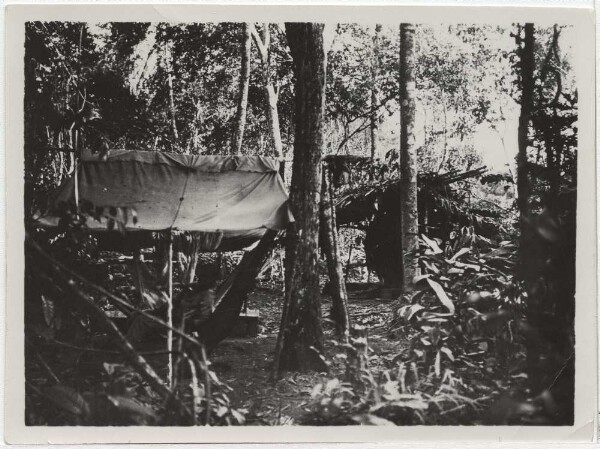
{"x": 200, "y": 163}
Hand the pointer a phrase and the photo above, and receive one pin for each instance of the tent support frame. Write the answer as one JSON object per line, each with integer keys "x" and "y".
{"x": 170, "y": 309}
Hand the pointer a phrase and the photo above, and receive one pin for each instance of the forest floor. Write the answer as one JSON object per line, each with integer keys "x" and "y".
{"x": 245, "y": 364}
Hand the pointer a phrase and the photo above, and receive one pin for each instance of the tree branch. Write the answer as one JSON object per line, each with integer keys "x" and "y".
{"x": 347, "y": 138}
{"x": 115, "y": 299}
{"x": 262, "y": 48}
{"x": 134, "y": 358}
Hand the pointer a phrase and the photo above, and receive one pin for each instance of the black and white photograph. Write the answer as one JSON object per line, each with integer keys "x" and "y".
{"x": 286, "y": 223}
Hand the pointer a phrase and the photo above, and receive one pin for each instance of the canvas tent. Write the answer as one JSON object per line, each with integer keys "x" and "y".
{"x": 235, "y": 198}
{"x": 231, "y": 201}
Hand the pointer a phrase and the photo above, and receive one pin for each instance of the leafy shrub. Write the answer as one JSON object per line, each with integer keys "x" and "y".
{"x": 465, "y": 308}
{"x": 397, "y": 397}
{"x": 465, "y": 325}
{"x": 116, "y": 395}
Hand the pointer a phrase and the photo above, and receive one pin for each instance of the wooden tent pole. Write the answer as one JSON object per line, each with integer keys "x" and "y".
{"x": 76, "y": 177}
{"x": 170, "y": 310}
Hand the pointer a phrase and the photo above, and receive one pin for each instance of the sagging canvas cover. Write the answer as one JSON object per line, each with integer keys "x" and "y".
{"x": 236, "y": 196}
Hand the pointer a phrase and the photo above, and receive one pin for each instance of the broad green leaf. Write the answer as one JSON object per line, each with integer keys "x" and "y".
{"x": 448, "y": 353}
{"x": 407, "y": 312}
{"x": 68, "y": 399}
{"x": 371, "y": 420}
{"x": 459, "y": 253}
{"x": 131, "y": 406}
{"x": 435, "y": 249}
{"x": 241, "y": 419}
{"x": 441, "y": 294}
{"x": 431, "y": 267}
{"x": 48, "y": 309}
{"x": 420, "y": 278}
{"x": 467, "y": 265}
{"x": 425, "y": 341}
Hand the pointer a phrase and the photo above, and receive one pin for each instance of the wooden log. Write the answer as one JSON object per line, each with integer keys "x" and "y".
{"x": 223, "y": 319}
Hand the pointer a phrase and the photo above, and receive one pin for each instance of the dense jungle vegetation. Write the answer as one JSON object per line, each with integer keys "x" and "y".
{"x": 429, "y": 277}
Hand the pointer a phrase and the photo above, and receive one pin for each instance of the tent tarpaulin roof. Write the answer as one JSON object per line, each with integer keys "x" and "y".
{"x": 239, "y": 196}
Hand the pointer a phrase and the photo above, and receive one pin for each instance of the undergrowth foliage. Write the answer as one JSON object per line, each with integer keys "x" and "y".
{"x": 465, "y": 308}
{"x": 77, "y": 374}
{"x": 465, "y": 319}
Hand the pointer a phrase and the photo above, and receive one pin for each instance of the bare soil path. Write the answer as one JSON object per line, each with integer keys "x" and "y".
{"x": 245, "y": 364}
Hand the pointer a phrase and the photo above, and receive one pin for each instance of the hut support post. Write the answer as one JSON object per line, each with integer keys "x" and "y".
{"x": 170, "y": 310}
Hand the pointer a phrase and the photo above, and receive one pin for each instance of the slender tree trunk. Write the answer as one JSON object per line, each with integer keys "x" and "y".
{"x": 240, "y": 120}
{"x": 273, "y": 115}
{"x": 138, "y": 276}
{"x": 374, "y": 125}
{"x": 271, "y": 94}
{"x": 339, "y": 296}
{"x": 408, "y": 154}
{"x": 527, "y": 270}
{"x": 445, "y": 109}
{"x": 300, "y": 341}
{"x": 196, "y": 131}
{"x": 169, "y": 67}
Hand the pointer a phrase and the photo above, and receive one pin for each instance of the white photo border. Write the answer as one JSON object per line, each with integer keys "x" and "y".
{"x": 581, "y": 18}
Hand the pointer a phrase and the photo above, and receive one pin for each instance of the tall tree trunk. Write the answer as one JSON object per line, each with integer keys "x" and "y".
{"x": 240, "y": 119}
{"x": 339, "y": 296}
{"x": 408, "y": 154}
{"x": 169, "y": 68}
{"x": 300, "y": 339}
{"x": 271, "y": 94}
{"x": 374, "y": 122}
{"x": 32, "y": 123}
{"x": 527, "y": 66}
{"x": 527, "y": 271}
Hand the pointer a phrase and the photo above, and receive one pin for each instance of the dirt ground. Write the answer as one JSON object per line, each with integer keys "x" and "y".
{"x": 245, "y": 364}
